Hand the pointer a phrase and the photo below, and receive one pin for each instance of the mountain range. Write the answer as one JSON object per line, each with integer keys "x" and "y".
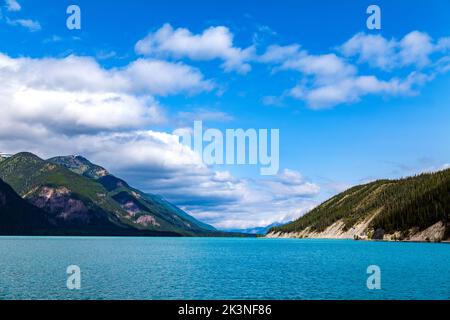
{"x": 413, "y": 209}
{"x": 71, "y": 196}
{"x": 256, "y": 230}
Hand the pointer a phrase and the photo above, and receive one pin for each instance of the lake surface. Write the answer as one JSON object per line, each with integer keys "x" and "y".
{"x": 220, "y": 268}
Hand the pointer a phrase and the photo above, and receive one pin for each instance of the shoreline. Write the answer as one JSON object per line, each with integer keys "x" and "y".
{"x": 362, "y": 231}
{"x": 360, "y": 240}
{"x": 25, "y": 237}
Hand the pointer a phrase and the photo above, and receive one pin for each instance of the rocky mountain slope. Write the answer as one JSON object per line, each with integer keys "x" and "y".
{"x": 79, "y": 197}
{"x": 415, "y": 208}
{"x": 134, "y": 201}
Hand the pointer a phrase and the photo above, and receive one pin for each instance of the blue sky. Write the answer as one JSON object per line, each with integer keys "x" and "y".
{"x": 352, "y": 104}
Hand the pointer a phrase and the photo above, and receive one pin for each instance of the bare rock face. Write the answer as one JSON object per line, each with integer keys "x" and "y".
{"x": 59, "y": 202}
{"x": 434, "y": 233}
{"x": 131, "y": 208}
{"x": 147, "y": 220}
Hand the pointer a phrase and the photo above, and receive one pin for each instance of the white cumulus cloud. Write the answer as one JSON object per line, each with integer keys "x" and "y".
{"x": 75, "y": 94}
{"x": 13, "y": 5}
{"x": 414, "y": 49}
{"x": 331, "y": 79}
{"x": 212, "y": 43}
{"x": 29, "y": 24}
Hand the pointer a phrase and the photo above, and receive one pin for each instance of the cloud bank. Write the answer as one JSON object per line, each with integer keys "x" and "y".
{"x": 73, "y": 105}
{"x": 332, "y": 79}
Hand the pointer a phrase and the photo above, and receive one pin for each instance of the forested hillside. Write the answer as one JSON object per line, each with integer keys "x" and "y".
{"x": 414, "y": 203}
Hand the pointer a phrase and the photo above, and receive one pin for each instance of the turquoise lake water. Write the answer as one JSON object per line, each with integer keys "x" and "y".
{"x": 220, "y": 268}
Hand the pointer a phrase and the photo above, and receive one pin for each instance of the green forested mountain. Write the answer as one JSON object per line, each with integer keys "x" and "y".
{"x": 131, "y": 198}
{"x": 414, "y": 203}
{"x": 82, "y": 198}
